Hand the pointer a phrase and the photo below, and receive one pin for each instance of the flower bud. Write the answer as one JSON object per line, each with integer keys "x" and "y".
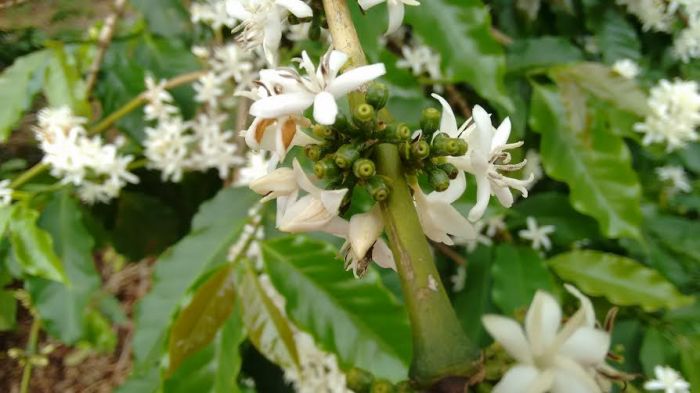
{"x": 363, "y": 117}
{"x": 280, "y": 182}
{"x": 381, "y": 386}
{"x": 313, "y": 152}
{"x": 377, "y": 188}
{"x": 397, "y": 132}
{"x": 430, "y": 120}
{"x": 341, "y": 125}
{"x": 420, "y": 150}
{"x": 346, "y": 155}
{"x": 359, "y": 380}
{"x": 363, "y": 168}
{"x": 322, "y": 131}
{"x": 326, "y": 169}
{"x": 438, "y": 179}
{"x": 404, "y": 151}
{"x": 450, "y": 170}
{"x": 461, "y": 150}
{"x": 377, "y": 95}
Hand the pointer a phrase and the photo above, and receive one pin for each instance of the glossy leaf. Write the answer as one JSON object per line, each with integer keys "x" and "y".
{"x": 33, "y": 247}
{"x": 8, "y": 310}
{"x": 603, "y": 83}
{"x": 621, "y": 280}
{"x": 657, "y": 349}
{"x": 19, "y": 83}
{"x": 617, "y": 38}
{"x": 541, "y": 52}
{"x": 460, "y": 30}
{"x": 5, "y": 215}
{"x": 63, "y": 309}
{"x": 64, "y": 85}
{"x": 213, "y": 368}
{"x": 168, "y": 18}
{"x": 359, "y": 320}
{"x": 214, "y": 228}
{"x": 268, "y": 329}
{"x": 197, "y": 323}
{"x": 690, "y": 360}
{"x": 595, "y": 164}
{"x": 518, "y": 272}
{"x": 475, "y": 299}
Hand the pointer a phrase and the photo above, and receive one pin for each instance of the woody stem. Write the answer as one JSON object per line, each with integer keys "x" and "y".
{"x": 440, "y": 347}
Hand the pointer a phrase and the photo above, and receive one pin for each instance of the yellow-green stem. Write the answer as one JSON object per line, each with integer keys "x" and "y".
{"x": 29, "y": 353}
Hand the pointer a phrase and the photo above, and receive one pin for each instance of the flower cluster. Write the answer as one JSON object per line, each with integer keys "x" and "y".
{"x": 395, "y": 9}
{"x": 674, "y": 176}
{"x": 342, "y": 149}
{"x": 5, "y": 192}
{"x": 674, "y": 114}
{"x": 421, "y": 60}
{"x": 658, "y": 15}
{"x": 551, "y": 357}
{"x": 626, "y": 68}
{"x": 668, "y": 380}
{"x": 96, "y": 168}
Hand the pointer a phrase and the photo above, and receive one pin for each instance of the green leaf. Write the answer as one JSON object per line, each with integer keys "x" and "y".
{"x": 197, "y": 323}
{"x": 690, "y": 360}
{"x": 518, "y": 272}
{"x": 5, "y": 215}
{"x": 474, "y": 300}
{"x": 359, "y": 320}
{"x": 460, "y": 30}
{"x": 268, "y": 329}
{"x": 168, "y": 18}
{"x": 617, "y": 38}
{"x": 33, "y": 247}
{"x": 215, "y": 367}
{"x": 657, "y": 349}
{"x": 64, "y": 86}
{"x": 8, "y": 310}
{"x": 602, "y": 82}
{"x": 19, "y": 83}
{"x": 541, "y": 52}
{"x": 621, "y": 280}
{"x": 218, "y": 223}
{"x": 594, "y": 163}
{"x": 63, "y": 309}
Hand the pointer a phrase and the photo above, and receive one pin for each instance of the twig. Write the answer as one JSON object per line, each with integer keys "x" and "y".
{"x": 29, "y": 353}
{"x": 456, "y": 97}
{"x": 104, "y": 40}
{"x": 501, "y": 37}
{"x": 450, "y": 253}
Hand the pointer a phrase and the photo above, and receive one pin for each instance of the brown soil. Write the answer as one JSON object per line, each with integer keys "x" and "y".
{"x": 96, "y": 372}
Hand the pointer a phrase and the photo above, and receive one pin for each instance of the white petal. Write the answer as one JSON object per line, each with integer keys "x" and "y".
{"x": 296, "y": 7}
{"x": 325, "y": 108}
{"x": 281, "y": 105}
{"x": 367, "y": 4}
{"x": 524, "y": 379}
{"x": 448, "y": 122}
{"x": 396, "y": 12}
{"x": 542, "y": 322}
{"x": 588, "y": 346}
{"x": 451, "y": 221}
{"x": 304, "y": 182}
{"x": 338, "y": 226}
{"x": 336, "y": 60}
{"x": 586, "y": 304}
{"x": 272, "y": 37}
{"x": 500, "y": 138}
{"x": 510, "y": 335}
{"x": 570, "y": 377}
{"x": 281, "y": 181}
{"x": 365, "y": 228}
{"x": 236, "y": 10}
{"x": 382, "y": 255}
{"x": 483, "y": 195}
{"x": 355, "y": 78}
{"x": 503, "y": 194}
{"x": 332, "y": 199}
{"x": 480, "y": 139}
{"x": 305, "y": 215}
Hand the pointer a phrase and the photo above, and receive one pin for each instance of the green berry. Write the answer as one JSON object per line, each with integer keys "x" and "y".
{"x": 450, "y": 170}
{"x": 326, "y": 169}
{"x": 377, "y": 188}
{"x": 346, "y": 155}
{"x": 363, "y": 168}
{"x": 377, "y": 95}
{"x": 313, "y": 152}
{"x": 322, "y": 131}
{"x": 430, "y": 121}
{"x": 438, "y": 179}
{"x": 420, "y": 150}
{"x": 381, "y": 386}
{"x": 359, "y": 380}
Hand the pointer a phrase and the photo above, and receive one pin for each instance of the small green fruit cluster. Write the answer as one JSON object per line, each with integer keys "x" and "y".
{"x": 362, "y": 381}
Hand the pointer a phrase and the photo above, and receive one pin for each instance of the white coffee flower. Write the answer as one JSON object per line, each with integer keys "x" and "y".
{"x": 420, "y": 59}
{"x": 459, "y": 279}
{"x": 212, "y": 13}
{"x": 208, "y": 89}
{"x": 256, "y": 166}
{"x": 551, "y": 357}
{"x": 215, "y": 148}
{"x": 440, "y": 220}
{"x": 159, "y": 101}
{"x": 626, "y": 68}
{"x": 486, "y": 157}
{"x": 231, "y": 61}
{"x": 495, "y": 225}
{"x": 686, "y": 45}
{"x": 261, "y": 22}
{"x": 94, "y": 167}
{"x": 5, "y": 193}
{"x": 668, "y": 380}
{"x": 480, "y": 238}
{"x": 652, "y": 13}
{"x": 538, "y": 235}
{"x": 676, "y": 177}
{"x": 674, "y": 114}
{"x": 395, "y": 9}
{"x": 278, "y": 135}
{"x": 167, "y": 147}
{"x": 319, "y": 87}
{"x": 363, "y": 242}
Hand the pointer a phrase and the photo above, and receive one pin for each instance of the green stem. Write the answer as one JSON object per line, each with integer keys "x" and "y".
{"x": 29, "y": 353}
{"x": 29, "y": 174}
{"x": 440, "y": 346}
